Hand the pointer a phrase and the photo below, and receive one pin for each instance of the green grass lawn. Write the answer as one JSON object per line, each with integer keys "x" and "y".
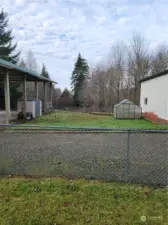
{"x": 62, "y": 202}
{"x": 76, "y": 119}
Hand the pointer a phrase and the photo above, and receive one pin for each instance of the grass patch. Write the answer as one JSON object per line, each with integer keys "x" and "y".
{"x": 76, "y": 119}
{"x": 63, "y": 202}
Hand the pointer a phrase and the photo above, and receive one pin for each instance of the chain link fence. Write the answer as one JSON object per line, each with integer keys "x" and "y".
{"x": 110, "y": 155}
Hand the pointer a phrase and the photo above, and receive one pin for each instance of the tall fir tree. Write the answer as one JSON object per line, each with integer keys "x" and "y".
{"x": 8, "y": 53}
{"x": 79, "y": 75}
{"x": 7, "y": 49}
{"x": 44, "y": 72}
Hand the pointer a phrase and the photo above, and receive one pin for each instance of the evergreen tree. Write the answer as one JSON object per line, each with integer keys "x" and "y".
{"x": 7, "y": 49}
{"x": 44, "y": 72}
{"x": 79, "y": 75}
{"x": 65, "y": 99}
{"x": 8, "y": 52}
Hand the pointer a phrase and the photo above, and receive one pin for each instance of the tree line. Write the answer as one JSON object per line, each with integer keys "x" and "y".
{"x": 117, "y": 76}
{"x": 113, "y": 79}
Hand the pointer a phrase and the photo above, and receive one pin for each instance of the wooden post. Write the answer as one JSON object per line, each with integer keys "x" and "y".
{"x": 45, "y": 98}
{"x": 7, "y": 97}
{"x": 24, "y": 97}
{"x": 36, "y": 87}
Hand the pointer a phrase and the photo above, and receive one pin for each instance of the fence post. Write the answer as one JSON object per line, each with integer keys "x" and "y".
{"x": 126, "y": 169}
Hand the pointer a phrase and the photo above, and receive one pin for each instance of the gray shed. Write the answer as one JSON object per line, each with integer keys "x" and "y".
{"x": 127, "y": 110}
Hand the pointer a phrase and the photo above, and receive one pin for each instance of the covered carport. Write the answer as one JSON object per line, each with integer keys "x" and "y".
{"x": 11, "y": 73}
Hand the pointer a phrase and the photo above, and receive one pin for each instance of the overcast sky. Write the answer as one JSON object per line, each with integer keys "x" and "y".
{"x": 57, "y": 30}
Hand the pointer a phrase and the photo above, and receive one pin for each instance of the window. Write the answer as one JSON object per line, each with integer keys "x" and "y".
{"x": 145, "y": 101}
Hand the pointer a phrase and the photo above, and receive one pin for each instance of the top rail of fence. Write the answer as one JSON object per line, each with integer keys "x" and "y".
{"x": 84, "y": 129}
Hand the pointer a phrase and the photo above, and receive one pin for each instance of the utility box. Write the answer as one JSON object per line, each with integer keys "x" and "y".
{"x": 38, "y": 109}
{"x": 32, "y": 106}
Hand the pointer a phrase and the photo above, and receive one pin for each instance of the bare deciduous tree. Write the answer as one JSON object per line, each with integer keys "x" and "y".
{"x": 31, "y": 63}
{"x": 160, "y": 59}
{"x": 117, "y": 67}
{"x": 118, "y": 78}
{"x": 22, "y": 63}
{"x": 138, "y": 63}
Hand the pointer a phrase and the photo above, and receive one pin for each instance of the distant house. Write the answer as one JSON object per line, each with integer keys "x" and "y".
{"x": 154, "y": 96}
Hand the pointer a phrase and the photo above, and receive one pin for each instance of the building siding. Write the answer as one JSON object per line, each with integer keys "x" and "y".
{"x": 156, "y": 92}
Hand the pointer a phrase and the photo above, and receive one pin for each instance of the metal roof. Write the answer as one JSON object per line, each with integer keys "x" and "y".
{"x": 165, "y": 72}
{"x": 125, "y": 102}
{"x": 11, "y": 66}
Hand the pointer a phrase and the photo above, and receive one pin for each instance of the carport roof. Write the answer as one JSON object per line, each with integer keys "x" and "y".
{"x": 23, "y": 71}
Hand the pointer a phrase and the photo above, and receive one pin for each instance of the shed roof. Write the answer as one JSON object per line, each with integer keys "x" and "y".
{"x": 124, "y": 102}
{"x": 165, "y": 72}
{"x": 28, "y": 73}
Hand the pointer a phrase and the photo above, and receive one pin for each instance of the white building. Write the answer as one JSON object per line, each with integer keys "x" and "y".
{"x": 154, "y": 95}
